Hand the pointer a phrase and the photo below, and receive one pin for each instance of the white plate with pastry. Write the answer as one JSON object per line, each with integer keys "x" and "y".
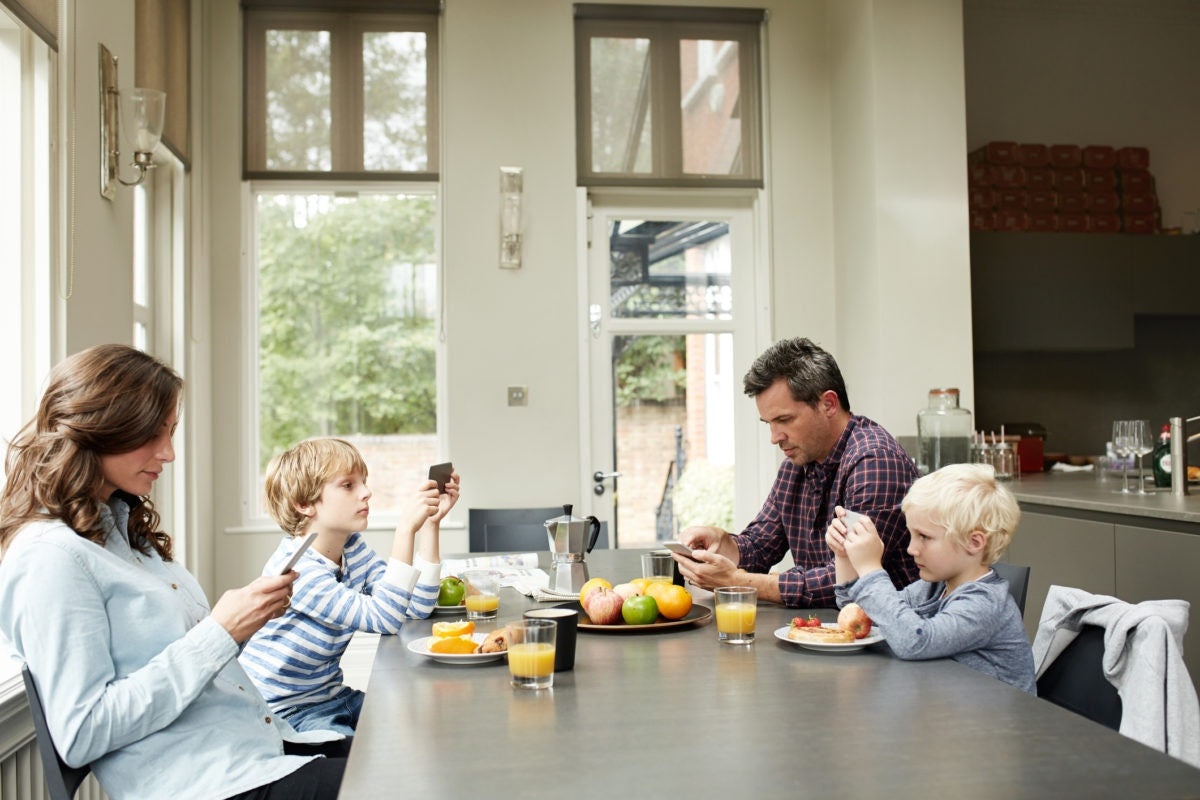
{"x": 828, "y": 642}
{"x": 421, "y": 648}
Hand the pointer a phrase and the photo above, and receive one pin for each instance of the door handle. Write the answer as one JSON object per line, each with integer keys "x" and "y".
{"x": 598, "y": 478}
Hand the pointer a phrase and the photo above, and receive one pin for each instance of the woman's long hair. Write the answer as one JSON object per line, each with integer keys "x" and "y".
{"x": 106, "y": 400}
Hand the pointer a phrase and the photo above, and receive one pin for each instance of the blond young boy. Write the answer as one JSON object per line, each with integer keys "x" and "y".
{"x": 960, "y": 521}
{"x": 321, "y": 485}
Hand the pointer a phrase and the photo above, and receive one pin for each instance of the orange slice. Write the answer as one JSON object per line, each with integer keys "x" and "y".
{"x": 453, "y": 644}
{"x": 462, "y": 627}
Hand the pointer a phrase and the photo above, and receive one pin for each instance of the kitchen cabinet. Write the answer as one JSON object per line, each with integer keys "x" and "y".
{"x": 1076, "y": 291}
{"x": 1064, "y": 551}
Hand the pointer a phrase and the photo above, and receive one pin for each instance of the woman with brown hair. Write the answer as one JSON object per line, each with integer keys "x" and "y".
{"x": 140, "y": 679}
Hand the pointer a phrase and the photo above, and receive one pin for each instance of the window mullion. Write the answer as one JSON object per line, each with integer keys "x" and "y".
{"x": 346, "y": 76}
{"x": 667, "y": 118}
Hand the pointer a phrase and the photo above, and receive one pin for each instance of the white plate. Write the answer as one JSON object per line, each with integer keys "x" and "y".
{"x": 833, "y": 647}
{"x": 421, "y": 648}
{"x": 459, "y": 609}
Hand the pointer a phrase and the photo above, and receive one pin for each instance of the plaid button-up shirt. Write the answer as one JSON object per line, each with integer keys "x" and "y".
{"x": 868, "y": 472}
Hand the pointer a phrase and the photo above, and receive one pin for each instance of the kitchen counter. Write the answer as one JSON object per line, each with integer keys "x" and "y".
{"x": 1083, "y": 492}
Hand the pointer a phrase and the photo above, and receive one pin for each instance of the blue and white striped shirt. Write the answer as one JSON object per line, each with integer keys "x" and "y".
{"x": 296, "y": 660}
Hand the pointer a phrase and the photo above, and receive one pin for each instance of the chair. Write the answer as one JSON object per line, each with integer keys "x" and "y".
{"x": 501, "y": 530}
{"x": 1075, "y": 680}
{"x": 1018, "y": 581}
{"x": 61, "y": 781}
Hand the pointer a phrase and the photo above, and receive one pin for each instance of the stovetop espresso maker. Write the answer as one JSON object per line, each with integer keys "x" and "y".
{"x": 571, "y": 538}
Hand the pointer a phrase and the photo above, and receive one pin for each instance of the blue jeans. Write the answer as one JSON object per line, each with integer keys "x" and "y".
{"x": 338, "y": 713}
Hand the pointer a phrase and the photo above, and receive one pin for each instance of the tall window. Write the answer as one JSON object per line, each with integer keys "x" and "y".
{"x": 667, "y": 96}
{"x": 341, "y": 149}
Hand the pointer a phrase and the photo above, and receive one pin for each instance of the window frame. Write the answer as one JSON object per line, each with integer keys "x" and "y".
{"x": 255, "y": 518}
{"x": 666, "y": 27}
{"x": 346, "y": 91}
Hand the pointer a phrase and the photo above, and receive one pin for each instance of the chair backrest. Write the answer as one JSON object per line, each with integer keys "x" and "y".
{"x": 1018, "y": 581}
{"x": 1075, "y": 680}
{"x": 500, "y": 530}
{"x": 61, "y": 781}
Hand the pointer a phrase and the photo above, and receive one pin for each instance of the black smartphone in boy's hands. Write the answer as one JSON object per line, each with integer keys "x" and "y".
{"x": 441, "y": 473}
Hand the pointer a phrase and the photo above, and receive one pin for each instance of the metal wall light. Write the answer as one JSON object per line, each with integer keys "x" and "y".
{"x": 143, "y": 111}
{"x": 511, "y": 184}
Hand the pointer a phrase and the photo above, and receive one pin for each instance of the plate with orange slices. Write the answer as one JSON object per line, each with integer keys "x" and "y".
{"x": 421, "y": 647}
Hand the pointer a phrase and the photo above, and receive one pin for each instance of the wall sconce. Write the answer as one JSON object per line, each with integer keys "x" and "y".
{"x": 511, "y": 184}
{"x": 143, "y": 110}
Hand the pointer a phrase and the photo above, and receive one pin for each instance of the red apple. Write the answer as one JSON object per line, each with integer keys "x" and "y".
{"x": 603, "y": 606}
{"x": 852, "y": 618}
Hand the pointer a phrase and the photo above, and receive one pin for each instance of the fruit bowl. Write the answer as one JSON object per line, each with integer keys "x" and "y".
{"x": 698, "y": 615}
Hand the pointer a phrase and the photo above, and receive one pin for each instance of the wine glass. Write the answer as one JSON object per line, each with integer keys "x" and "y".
{"x": 1142, "y": 441}
{"x": 1121, "y": 446}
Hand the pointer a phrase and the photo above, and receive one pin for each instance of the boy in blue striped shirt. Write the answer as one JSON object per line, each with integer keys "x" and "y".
{"x": 320, "y": 485}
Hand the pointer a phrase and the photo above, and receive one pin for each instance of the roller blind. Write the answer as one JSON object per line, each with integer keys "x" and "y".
{"x": 161, "y": 58}
{"x": 40, "y": 15}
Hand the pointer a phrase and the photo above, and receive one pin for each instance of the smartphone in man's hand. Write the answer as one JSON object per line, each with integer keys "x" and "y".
{"x": 441, "y": 473}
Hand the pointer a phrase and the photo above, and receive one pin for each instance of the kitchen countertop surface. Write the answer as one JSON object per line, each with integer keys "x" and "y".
{"x": 1082, "y": 491}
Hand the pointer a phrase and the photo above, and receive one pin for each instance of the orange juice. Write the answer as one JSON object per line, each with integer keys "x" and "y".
{"x": 531, "y": 664}
{"x": 657, "y": 579}
{"x": 736, "y": 620}
{"x": 481, "y": 606}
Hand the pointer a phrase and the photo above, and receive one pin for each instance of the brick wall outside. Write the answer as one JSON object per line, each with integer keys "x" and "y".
{"x": 646, "y": 434}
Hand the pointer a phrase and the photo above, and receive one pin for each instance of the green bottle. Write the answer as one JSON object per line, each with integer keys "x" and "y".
{"x": 1161, "y": 459}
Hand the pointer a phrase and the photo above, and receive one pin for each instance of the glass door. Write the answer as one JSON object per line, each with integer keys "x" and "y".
{"x": 671, "y": 329}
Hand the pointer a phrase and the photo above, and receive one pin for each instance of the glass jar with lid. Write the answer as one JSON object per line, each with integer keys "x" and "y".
{"x": 944, "y": 432}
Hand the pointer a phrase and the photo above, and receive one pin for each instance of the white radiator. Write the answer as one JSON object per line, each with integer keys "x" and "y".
{"x": 20, "y": 765}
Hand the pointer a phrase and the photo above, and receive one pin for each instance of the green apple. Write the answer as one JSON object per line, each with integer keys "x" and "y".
{"x": 640, "y": 610}
{"x": 452, "y": 592}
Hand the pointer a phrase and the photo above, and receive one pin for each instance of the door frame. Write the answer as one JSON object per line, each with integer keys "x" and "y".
{"x": 750, "y": 445}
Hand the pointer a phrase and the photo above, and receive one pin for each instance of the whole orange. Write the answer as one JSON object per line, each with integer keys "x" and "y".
{"x": 674, "y": 602}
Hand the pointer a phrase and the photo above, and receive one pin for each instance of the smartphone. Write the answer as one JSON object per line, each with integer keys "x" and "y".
{"x": 308, "y": 540}
{"x": 851, "y": 518}
{"x": 441, "y": 473}
{"x": 682, "y": 549}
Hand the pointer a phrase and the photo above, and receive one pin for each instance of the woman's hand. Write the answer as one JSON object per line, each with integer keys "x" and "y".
{"x": 243, "y": 611}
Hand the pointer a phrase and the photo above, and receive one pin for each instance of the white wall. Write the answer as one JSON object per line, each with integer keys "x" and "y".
{"x": 508, "y": 99}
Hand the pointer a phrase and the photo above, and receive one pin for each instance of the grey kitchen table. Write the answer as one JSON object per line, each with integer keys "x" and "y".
{"x": 675, "y": 714}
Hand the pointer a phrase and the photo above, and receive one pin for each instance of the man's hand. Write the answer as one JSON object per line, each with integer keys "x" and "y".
{"x": 243, "y": 611}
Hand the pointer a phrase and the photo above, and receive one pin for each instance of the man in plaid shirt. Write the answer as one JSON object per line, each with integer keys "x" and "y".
{"x": 833, "y": 458}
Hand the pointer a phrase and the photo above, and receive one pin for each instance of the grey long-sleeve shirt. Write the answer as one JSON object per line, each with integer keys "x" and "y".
{"x": 977, "y": 625}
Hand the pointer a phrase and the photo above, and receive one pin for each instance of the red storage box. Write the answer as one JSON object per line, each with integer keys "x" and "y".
{"x": 995, "y": 153}
{"x": 1105, "y": 223}
{"x": 1041, "y": 200}
{"x": 1140, "y": 223}
{"x": 1072, "y": 202}
{"x": 983, "y": 219}
{"x": 1033, "y": 155}
{"x": 1012, "y": 219}
{"x": 1100, "y": 180}
{"x": 983, "y": 197}
{"x": 1043, "y": 221}
{"x": 1139, "y": 203}
{"x": 1104, "y": 202}
{"x": 1133, "y": 158}
{"x": 1073, "y": 223}
{"x": 1065, "y": 155}
{"x": 1011, "y": 198}
{"x": 1097, "y": 156}
{"x": 1069, "y": 180}
{"x": 1008, "y": 176}
{"x": 1136, "y": 180}
{"x": 979, "y": 174}
{"x": 1039, "y": 178}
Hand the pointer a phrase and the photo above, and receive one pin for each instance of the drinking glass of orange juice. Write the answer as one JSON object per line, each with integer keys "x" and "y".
{"x": 658, "y": 566}
{"x": 737, "y": 607}
{"x": 531, "y": 653}
{"x": 483, "y": 593}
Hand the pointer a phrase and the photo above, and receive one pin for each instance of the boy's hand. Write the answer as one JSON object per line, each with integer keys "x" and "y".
{"x": 863, "y": 546}
{"x": 424, "y": 505}
{"x": 447, "y": 500}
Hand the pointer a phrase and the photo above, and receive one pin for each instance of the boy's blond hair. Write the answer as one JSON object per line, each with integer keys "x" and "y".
{"x": 297, "y": 476}
{"x": 964, "y": 498}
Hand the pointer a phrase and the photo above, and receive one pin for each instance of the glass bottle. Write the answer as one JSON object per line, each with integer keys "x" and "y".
{"x": 1161, "y": 460}
{"x": 943, "y": 432}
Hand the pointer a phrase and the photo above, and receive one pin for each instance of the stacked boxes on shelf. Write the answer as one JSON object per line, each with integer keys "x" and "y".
{"x": 1062, "y": 187}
